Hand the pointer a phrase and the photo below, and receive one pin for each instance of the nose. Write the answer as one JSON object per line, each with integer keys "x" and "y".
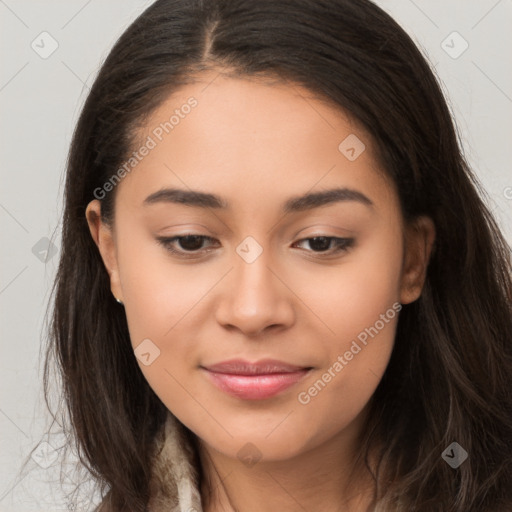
{"x": 255, "y": 298}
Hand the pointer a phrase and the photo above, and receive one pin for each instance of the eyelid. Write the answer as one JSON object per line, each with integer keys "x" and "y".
{"x": 167, "y": 242}
{"x": 341, "y": 245}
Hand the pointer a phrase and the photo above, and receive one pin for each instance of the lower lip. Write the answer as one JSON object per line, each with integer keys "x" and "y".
{"x": 255, "y": 387}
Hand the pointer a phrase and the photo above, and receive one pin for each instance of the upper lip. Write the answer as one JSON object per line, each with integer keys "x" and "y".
{"x": 263, "y": 367}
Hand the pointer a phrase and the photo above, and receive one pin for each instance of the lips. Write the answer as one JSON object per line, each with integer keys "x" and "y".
{"x": 254, "y": 381}
{"x": 264, "y": 367}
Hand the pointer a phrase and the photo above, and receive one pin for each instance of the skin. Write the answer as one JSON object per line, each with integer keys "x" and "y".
{"x": 258, "y": 144}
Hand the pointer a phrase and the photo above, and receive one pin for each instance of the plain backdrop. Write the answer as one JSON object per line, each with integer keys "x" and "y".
{"x": 40, "y": 99}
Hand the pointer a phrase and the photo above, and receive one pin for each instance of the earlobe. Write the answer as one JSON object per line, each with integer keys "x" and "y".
{"x": 419, "y": 246}
{"x": 102, "y": 235}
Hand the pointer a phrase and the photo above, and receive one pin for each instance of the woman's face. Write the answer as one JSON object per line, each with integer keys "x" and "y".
{"x": 254, "y": 283}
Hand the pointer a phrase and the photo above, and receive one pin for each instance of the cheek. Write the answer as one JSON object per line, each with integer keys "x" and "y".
{"x": 359, "y": 302}
{"x": 162, "y": 301}
{"x": 339, "y": 391}
{"x": 158, "y": 292}
{"x": 349, "y": 297}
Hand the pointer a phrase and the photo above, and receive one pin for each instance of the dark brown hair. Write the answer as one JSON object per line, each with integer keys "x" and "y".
{"x": 450, "y": 375}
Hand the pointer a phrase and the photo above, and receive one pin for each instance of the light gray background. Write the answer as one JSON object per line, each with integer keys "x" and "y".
{"x": 40, "y": 100}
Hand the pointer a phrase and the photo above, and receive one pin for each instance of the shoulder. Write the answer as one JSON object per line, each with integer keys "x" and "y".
{"x": 104, "y": 506}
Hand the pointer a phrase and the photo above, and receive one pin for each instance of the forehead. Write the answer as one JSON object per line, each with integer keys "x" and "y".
{"x": 243, "y": 138}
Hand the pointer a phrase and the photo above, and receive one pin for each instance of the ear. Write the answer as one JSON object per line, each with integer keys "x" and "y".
{"x": 103, "y": 236}
{"x": 419, "y": 242}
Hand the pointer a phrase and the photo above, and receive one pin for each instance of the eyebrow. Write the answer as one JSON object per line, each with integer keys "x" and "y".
{"x": 301, "y": 203}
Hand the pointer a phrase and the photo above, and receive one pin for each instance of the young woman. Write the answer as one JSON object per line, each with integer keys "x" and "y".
{"x": 280, "y": 287}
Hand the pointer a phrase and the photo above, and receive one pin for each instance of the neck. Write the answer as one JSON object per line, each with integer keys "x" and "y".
{"x": 328, "y": 477}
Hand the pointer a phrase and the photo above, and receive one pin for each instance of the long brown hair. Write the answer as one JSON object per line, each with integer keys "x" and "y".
{"x": 450, "y": 375}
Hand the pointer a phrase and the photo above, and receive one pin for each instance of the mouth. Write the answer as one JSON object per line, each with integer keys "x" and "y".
{"x": 255, "y": 381}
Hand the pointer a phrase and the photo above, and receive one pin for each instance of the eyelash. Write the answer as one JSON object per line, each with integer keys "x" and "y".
{"x": 341, "y": 244}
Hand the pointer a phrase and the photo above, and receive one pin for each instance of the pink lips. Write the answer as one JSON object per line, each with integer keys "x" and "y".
{"x": 255, "y": 381}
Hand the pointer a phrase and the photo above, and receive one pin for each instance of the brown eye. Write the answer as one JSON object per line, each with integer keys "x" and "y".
{"x": 189, "y": 244}
{"x": 328, "y": 244}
